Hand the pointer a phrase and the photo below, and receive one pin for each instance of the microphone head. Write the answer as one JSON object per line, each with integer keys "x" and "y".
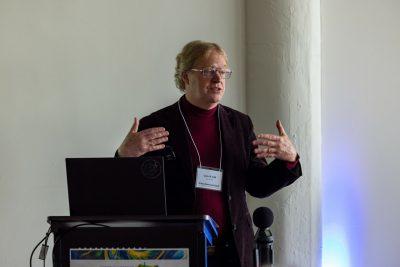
{"x": 263, "y": 217}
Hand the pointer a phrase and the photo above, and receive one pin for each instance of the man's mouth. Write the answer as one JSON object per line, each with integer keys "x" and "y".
{"x": 215, "y": 88}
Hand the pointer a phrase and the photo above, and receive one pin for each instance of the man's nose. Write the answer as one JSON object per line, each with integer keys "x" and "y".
{"x": 217, "y": 76}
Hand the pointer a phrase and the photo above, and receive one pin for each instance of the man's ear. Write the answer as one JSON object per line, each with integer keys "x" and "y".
{"x": 185, "y": 77}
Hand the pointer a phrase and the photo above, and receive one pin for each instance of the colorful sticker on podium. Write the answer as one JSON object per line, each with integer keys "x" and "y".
{"x": 121, "y": 257}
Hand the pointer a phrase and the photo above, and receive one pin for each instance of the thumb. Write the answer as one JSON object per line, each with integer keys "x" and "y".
{"x": 135, "y": 126}
{"x": 280, "y": 128}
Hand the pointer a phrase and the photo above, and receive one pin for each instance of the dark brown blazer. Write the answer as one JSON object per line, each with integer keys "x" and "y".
{"x": 242, "y": 171}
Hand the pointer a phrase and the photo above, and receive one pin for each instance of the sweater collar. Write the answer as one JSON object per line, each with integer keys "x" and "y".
{"x": 193, "y": 110}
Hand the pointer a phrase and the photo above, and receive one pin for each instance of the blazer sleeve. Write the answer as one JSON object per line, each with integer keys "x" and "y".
{"x": 264, "y": 179}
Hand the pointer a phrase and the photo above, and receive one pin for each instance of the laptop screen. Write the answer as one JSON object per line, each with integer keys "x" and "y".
{"x": 116, "y": 186}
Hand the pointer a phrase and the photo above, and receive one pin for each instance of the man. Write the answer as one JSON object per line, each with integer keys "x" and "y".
{"x": 218, "y": 156}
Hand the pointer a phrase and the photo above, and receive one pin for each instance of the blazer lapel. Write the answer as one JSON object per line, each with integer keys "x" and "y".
{"x": 228, "y": 132}
{"x": 179, "y": 140}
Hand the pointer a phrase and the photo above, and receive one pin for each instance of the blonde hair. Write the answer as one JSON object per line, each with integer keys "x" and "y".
{"x": 188, "y": 56}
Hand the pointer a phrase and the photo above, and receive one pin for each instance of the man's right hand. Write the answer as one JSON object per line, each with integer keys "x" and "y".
{"x": 137, "y": 143}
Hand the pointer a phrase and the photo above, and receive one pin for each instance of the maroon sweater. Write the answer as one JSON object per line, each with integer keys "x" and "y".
{"x": 203, "y": 125}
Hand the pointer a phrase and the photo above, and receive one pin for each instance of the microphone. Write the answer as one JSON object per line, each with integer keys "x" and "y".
{"x": 169, "y": 153}
{"x": 263, "y": 217}
{"x": 263, "y": 251}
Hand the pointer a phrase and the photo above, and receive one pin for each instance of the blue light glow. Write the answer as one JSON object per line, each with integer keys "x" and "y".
{"x": 335, "y": 247}
{"x": 342, "y": 214}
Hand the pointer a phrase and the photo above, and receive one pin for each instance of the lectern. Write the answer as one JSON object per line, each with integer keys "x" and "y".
{"x": 137, "y": 240}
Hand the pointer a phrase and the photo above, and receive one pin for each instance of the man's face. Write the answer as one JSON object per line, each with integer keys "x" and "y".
{"x": 201, "y": 91}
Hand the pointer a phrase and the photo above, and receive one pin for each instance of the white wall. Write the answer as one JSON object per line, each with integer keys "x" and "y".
{"x": 360, "y": 95}
{"x": 73, "y": 74}
{"x": 283, "y": 82}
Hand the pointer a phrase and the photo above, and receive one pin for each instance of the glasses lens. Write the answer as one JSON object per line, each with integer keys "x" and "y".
{"x": 226, "y": 73}
{"x": 211, "y": 72}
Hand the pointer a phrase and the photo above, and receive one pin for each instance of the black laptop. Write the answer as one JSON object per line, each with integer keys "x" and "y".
{"x": 116, "y": 186}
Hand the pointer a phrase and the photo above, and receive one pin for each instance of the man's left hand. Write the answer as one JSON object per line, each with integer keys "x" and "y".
{"x": 275, "y": 146}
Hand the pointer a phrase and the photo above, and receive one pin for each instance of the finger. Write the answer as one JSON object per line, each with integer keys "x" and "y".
{"x": 265, "y": 150}
{"x": 271, "y": 137}
{"x": 153, "y": 130}
{"x": 280, "y": 128}
{"x": 152, "y": 136}
{"x": 157, "y": 147}
{"x": 135, "y": 125}
{"x": 264, "y": 142}
{"x": 266, "y": 155}
{"x": 158, "y": 141}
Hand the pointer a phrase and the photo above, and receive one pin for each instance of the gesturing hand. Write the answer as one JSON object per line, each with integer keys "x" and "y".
{"x": 137, "y": 143}
{"x": 276, "y": 146}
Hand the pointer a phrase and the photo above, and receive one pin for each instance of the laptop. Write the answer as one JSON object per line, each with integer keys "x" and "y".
{"x": 116, "y": 186}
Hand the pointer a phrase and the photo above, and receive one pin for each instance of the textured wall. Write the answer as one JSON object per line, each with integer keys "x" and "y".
{"x": 283, "y": 82}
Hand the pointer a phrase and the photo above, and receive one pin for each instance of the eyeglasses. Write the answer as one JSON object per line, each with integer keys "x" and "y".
{"x": 211, "y": 72}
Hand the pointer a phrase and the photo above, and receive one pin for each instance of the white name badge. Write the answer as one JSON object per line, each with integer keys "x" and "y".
{"x": 209, "y": 178}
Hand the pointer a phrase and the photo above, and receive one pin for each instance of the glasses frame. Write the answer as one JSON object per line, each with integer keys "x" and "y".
{"x": 225, "y": 75}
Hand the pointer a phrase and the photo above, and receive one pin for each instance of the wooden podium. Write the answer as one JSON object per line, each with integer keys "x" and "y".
{"x": 195, "y": 234}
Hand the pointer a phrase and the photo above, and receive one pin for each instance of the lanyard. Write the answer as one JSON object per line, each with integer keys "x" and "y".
{"x": 194, "y": 144}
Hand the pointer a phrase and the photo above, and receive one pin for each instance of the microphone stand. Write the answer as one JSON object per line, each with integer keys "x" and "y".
{"x": 263, "y": 252}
